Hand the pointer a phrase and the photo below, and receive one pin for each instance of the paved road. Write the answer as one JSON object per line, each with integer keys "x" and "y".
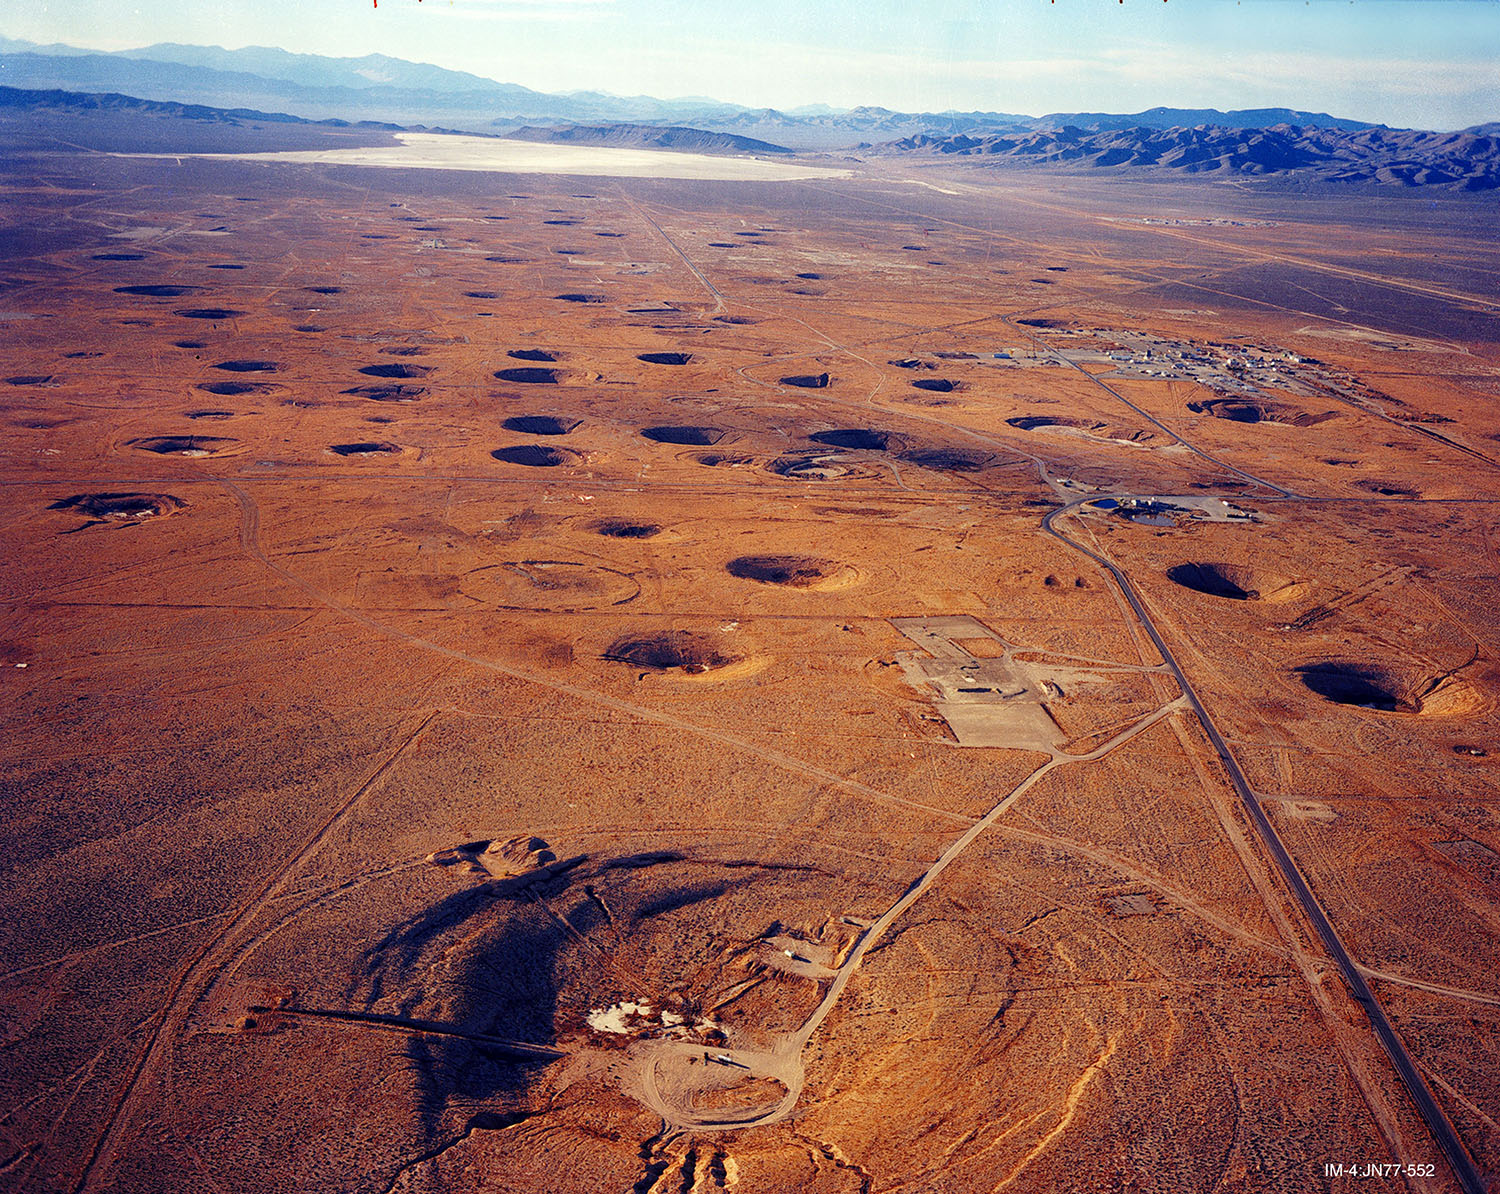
{"x": 1437, "y": 1122}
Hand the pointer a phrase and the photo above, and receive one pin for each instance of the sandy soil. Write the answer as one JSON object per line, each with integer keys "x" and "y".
{"x": 375, "y": 719}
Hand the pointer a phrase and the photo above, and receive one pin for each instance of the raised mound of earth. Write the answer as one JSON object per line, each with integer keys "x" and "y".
{"x": 673, "y": 650}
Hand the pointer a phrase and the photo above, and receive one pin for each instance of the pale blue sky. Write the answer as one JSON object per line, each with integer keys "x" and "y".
{"x": 1427, "y": 63}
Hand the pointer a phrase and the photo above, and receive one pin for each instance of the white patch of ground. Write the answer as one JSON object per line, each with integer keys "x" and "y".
{"x": 446, "y": 151}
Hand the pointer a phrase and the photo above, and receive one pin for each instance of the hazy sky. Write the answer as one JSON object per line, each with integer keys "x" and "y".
{"x": 1427, "y": 63}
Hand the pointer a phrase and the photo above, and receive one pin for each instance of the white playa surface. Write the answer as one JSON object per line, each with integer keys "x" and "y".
{"x": 444, "y": 151}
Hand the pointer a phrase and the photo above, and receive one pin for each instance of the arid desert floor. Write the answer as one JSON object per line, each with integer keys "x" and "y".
{"x": 534, "y": 682}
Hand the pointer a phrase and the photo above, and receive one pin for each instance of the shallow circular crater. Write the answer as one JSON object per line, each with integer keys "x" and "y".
{"x": 621, "y": 529}
{"x": 688, "y": 435}
{"x": 369, "y": 448}
{"x": 185, "y": 445}
{"x": 1254, "y": 410}
{"x": 1390, "y": 688}
{"x": 579, "y": 297}
{"x": 387, "y": 393}
{"x": 806, "y": 381}
{"x": 210, "y": 414}
{"x": 541, "y": 424}
{"x": 531, "y": 354}
{"x": 535, "y": 455}
{"x": 956, "y": 460}
{"x": 214, "y": 313}
{"x": 118, "y": 257}
{"x": 231, "y": 389}
{"x": 560, "y": 586}
{"x": 121, "y": 506}
{"x": 249, "y": 366}
{"x": 396, "y": 371}
{"x": 793, "y": 571}
{"x": 724, "y": 459}
{"x": 858, "y": 438}
{"x": 937, "y": 385}
{"x": 157, "y": 291}
{"x": 1236, "y": 582}
{"x": 29, "y": 379}
{"x": 665, "y": 358}
{"x": 528, "y": 377}
{"x": 671, "y": 650}
{"x": 827, "y": 466}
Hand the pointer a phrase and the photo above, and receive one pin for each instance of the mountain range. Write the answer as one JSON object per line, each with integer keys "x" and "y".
{"x": 1468, "y": 160}
{"x": 380, "y": 88}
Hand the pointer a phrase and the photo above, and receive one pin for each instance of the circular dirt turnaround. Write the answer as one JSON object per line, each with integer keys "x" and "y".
{"x": 1390, "y": 688}
{"x": 796, "y": 572}
{"x": 535, "y": 455}
{"x": 121, "y": 506}
{"x": 678, "y": 650}
{"x": 1236, "y": 582}
{"x": 688, "y": 435}
{"x": 541, "y": 424}
{"x": 556, "y": 586}
{"x": 620, "y": 529}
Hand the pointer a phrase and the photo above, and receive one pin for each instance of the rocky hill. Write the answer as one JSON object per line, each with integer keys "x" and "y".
{"x": 1463, "y": 161}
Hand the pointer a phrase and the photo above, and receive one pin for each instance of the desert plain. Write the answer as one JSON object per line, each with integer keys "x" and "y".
{"x": 545, "y": 682}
